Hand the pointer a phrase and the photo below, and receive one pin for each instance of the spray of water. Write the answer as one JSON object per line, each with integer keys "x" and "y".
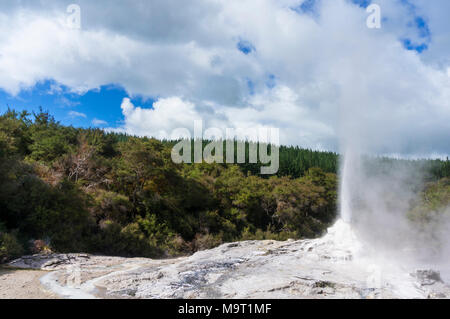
{"x": 374, "y": 200}
{"x": 342, "y": 231}
{"x": 373, "y": 228}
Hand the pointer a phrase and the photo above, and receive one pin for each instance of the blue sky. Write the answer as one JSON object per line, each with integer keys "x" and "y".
{"x": 420, "y": 27}
{"x": 94, "y": 108}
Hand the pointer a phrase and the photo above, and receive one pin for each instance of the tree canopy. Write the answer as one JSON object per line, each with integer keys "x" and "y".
{"x": 70, "y": 190}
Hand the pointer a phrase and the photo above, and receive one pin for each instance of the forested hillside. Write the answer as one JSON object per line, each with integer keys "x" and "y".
{"x": 68, "y": 189}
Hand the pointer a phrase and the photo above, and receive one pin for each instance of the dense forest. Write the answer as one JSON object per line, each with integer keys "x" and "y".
{"x": 69, "y": 189}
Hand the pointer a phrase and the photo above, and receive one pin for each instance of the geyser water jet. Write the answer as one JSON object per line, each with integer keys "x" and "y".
{"x": 348, "y": 173}
{"x": 341, "y": 237}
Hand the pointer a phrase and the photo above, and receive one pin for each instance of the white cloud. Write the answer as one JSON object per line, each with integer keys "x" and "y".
{"x": 98, "y": 122}
{"x": 77, "y": 114}
{"x": 334, "y": 76}
{"x": 64, "y": 101}
{"x": 166, "y": 115}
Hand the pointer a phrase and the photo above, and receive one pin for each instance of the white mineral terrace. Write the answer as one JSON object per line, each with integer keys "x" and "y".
{"x": 334, "y": 266}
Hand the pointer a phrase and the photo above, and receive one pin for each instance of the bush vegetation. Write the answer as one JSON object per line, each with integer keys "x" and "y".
{"x": 86, "y": 190}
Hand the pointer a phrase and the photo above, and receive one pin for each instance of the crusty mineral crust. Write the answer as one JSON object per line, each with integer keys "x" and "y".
{"x": 250, "y": 269}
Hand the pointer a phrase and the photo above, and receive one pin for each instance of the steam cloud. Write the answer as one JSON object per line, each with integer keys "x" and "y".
{"x": 376, "y": 194}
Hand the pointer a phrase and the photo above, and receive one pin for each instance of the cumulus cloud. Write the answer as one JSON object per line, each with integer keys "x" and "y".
{"x": 77, "y": 114}
{"x": 302, "y": 73}
{"x": 98, "y": 122}
{"x": 278, "y": 108}
{"x": 167, "y": 115}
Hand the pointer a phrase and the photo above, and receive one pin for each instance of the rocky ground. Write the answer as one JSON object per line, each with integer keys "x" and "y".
{"x": 320, "y": 268}
{"x": 23, "y": 284}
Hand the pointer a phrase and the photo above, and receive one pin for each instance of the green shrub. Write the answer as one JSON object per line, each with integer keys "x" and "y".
{"x": 10, "y": 248}
{"x": 267, "y": 235}
{"x": 206, "y": 241}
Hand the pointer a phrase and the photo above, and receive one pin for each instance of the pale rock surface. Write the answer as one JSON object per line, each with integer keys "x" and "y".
{"x": 330, "y": 267}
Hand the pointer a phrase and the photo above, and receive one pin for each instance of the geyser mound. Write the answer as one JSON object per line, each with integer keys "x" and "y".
{"x": 374, "y": 231}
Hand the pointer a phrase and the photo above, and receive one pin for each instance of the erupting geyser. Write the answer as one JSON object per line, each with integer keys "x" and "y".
{"x": 345, "y": 209}
{"x": 372, "y": 233}
{"x": 341, "y": 234}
